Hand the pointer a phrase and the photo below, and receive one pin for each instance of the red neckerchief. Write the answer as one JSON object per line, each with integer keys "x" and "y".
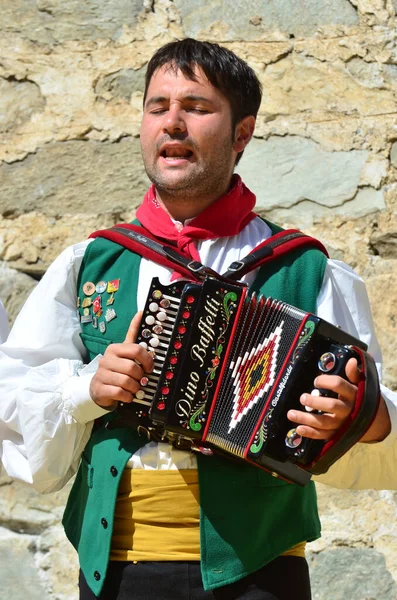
{"x": 225, "y": 217}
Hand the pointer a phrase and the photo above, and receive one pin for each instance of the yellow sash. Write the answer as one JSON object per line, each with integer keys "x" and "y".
{"x": 157, "y": 517}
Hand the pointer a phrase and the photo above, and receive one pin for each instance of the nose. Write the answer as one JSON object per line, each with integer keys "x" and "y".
{"x": 174, "y": 120}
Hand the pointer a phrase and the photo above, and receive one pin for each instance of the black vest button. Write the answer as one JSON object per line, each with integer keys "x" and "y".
{"x": 114, "y": 471}
{"x": 97, "y": 575}
{"x": 104, "y": 523}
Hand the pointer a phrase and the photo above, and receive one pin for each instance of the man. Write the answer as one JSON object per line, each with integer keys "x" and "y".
{"x": 175, "y": 525}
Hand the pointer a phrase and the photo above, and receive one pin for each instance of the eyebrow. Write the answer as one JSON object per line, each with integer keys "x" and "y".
{"x": 189, "y": 98}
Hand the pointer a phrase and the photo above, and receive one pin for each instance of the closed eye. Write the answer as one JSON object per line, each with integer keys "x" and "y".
{"x": 199, "y": 110}
{"x": 158, "y": 111}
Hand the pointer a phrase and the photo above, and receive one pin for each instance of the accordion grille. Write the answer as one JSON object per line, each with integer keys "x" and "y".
{"x": 261, "y": 347}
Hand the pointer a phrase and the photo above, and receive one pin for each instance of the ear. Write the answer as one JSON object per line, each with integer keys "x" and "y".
{"x": 243, "y": 133}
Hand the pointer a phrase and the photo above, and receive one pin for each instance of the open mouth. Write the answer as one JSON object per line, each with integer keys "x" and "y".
{"x": 176, "y": 153}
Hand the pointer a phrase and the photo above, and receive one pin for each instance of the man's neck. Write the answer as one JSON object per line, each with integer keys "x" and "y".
{"x": 182, "y": 209}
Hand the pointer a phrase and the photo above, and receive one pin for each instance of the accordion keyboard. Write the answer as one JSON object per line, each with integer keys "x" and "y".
{"x": 158, "y": 320}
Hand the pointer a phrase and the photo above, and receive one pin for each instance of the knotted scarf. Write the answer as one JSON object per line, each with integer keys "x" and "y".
{"x": 225, "y": 217}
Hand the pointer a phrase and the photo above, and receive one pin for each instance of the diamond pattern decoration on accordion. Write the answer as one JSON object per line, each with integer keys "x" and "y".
{"x": 254, "y": 374}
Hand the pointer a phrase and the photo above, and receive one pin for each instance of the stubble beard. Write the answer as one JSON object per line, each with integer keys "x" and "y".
{"x": 207, "y": 180}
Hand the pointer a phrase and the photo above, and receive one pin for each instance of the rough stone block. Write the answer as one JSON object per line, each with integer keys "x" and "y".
{"x": 18, "y": 573}
{"x": 353, "y": 573}
{"x": 35, "y": 536}
{"x": 294, "y": 177}
{"x": 19, "y": 100}
{"x": 56, "y": 21}
{"x": 121, "y": 84}
{"x": 371, "y": 74}
{"x": 32, "y": 241}
{"x": 382, "y": 290}
{"x": 385, "y": 244}
{"x": 316, "y": 89}
{"x": 27, "y": 511}
{"x": 75, "y": 177}
{"x": 57, "y": 561}
{"x": 14, "y": 289}
{"x": 393, "y": 152}
{"x": 249, "y": 19}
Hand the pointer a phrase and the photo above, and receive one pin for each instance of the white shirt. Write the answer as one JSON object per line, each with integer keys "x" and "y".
{"x": 46, "y": 413}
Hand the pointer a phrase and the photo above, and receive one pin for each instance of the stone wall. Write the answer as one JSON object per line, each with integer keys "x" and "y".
{"x": 324, "y": 158}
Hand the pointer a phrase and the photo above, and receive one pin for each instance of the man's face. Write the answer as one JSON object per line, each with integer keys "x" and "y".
{"x": 186, "y": 137}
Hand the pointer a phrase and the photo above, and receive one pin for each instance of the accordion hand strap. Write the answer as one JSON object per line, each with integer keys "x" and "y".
{"x": 360, "y": 419}
{"x": 139, "y": 240}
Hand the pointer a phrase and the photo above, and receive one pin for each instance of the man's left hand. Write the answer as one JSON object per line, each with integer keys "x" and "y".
{"x": 334, "y": 411}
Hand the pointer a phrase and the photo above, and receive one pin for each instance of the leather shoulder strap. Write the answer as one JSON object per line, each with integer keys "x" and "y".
{"x": 275, "y": 246}
{"x": 142, "y": 242}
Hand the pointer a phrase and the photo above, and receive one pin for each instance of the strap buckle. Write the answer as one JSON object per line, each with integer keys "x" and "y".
{"x": 237, "y": 265}
{"x": 195, "y": 266}
{"x": 201, "y": 272}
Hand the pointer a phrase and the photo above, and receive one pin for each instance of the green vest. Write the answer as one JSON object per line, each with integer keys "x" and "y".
{"x": 247, "y": 517}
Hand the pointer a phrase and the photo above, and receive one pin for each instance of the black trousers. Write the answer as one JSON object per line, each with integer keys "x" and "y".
{"x": 285, "y": 578}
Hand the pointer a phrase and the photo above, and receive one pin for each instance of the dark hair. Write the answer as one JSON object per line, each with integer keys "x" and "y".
{"x": 228, "y": 73}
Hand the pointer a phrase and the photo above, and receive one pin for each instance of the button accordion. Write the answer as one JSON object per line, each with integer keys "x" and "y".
{"x": 228, "y": 365}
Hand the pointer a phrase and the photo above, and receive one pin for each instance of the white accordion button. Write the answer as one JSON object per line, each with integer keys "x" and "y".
{"x": 162, "y": 316}
{"x": 316, "y": 393}
{"x": 154, "y": 342}
{"x": 143, "y": 344}
{"x": 150, "y": 320}
{"x": 153, "y": 307}
{"x": 140, "y": 395}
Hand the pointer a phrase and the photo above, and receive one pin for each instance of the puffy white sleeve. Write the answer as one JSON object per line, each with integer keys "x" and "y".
{"x": 343, "y": 300}
{"x": 46, "y": 413}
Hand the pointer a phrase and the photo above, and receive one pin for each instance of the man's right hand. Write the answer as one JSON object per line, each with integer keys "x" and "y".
{"x": 119, "y": 373}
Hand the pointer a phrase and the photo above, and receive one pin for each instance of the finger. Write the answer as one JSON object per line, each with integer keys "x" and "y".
{"x": 133, "y": 328}
{"x": 120, "y": 382}
{"x": 315, "y": 434}
{"x": 322, "y": 422}
{"x": 128, "y": 351}
{"x": 352, "y": 371}
{"x": 340, "y": 407}
{"x": 107, "y": 395}
{"x": 123, "y": 366}
{"x": 336, "y": 384}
